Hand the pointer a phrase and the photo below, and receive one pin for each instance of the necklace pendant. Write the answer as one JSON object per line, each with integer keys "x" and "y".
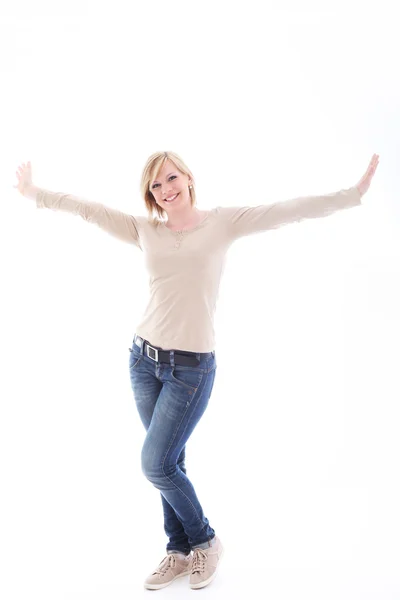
{"x": 179, "y": 239}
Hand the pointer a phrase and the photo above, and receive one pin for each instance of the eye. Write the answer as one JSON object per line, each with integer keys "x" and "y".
{"x": 156, "y": 184}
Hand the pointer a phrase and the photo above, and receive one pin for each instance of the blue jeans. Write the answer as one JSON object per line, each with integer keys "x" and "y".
{"x": 171, "y": 398}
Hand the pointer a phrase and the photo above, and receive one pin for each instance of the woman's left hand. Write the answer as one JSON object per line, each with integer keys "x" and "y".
{"x": 365, "y": 180}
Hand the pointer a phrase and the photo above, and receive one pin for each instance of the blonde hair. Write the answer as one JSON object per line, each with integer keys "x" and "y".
{"x": 151, "y": 170}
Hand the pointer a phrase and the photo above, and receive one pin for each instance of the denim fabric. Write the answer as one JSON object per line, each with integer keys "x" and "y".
{"x": 171, "y": 399}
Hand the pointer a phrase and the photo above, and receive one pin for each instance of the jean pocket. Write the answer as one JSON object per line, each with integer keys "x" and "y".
{"x": 134, "y": 358}
{"x": 189, "y": 377}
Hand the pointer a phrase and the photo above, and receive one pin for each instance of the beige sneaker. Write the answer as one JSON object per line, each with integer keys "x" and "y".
{"x": 205, "y": 563}
{"x": 169, "y": 569}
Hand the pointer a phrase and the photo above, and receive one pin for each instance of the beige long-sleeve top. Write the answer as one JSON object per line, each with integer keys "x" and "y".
{"x": 185, "y": 268}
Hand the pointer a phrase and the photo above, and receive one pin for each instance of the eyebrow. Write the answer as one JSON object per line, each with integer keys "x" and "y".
{"x": 167, "y": 176}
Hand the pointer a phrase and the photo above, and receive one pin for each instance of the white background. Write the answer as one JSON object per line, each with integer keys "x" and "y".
{"x": 296, "y": 459}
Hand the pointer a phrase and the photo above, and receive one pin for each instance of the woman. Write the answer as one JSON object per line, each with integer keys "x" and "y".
{"x": 172, "y": 361}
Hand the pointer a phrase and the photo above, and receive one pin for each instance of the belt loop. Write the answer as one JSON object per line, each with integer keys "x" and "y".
{"x": 172, "y": 358}
{"x": 198, "y": 356}
{"x": 141, "y": 344}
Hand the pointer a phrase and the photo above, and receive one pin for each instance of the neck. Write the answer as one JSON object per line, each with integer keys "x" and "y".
{"x": 183, "y": 219}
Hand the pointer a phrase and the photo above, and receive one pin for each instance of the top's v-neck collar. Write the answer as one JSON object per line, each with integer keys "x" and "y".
{"x": 188, "y": 230}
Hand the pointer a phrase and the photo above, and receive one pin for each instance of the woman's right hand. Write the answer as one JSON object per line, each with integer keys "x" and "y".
{"x": 24, "y": 176}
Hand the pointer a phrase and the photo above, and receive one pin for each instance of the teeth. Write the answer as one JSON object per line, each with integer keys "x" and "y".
{"x": 170, "y": 199}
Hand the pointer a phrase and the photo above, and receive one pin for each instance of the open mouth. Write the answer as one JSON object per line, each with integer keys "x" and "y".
{"x": 173, "y": 198}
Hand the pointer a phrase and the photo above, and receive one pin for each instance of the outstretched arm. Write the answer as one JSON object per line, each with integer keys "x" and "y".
{"x": 245, "y": 220}
{"x": 118, "y": 224}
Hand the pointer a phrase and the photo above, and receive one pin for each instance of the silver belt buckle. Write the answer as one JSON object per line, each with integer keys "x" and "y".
{"x": 148, "y": 348}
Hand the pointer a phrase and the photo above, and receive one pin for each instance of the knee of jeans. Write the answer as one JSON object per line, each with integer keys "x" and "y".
{"x": 145, "y": 464}
{"x": 150, "y": 467}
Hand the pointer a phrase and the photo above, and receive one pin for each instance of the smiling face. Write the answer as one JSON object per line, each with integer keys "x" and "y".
{"x": 169, "y": 182}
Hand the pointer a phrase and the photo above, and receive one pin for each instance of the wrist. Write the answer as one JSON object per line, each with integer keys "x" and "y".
{"x": 31, "y": 192}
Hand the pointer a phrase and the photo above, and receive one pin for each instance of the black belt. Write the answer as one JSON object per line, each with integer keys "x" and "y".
{"x": 189, "y": 359}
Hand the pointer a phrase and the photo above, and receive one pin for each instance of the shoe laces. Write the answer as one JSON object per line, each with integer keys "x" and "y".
{"x": 199, "y": 560}
{"x": 166, "y": 563}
